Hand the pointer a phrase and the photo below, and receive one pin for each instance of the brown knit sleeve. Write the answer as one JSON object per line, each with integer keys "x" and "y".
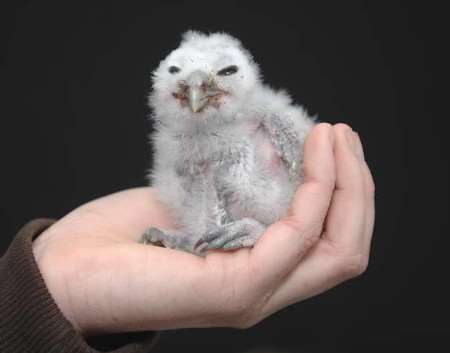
{"x": 30, "y": 320}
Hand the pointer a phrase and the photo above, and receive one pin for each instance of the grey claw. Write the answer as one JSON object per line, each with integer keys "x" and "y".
{"x": 210, "y": 236}
{"x": 243, "y": 242}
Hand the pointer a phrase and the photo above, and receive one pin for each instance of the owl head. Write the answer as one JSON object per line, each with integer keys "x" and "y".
{"x": 208, "y": 77}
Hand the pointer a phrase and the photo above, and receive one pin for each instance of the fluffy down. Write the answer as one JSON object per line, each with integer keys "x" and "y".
{"x": 228, "y": 148}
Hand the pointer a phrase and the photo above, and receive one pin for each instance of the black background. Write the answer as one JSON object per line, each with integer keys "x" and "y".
{"x": 74, "y": 78}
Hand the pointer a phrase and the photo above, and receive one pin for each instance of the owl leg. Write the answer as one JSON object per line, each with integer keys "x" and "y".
{"x": 237, "y": 234}
{"x": 286, "y": 140}
{"x": 171, "y": 239}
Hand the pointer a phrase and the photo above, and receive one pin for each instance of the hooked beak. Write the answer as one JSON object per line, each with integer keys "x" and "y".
{"x": 196, "y": 99}
{"x": 200, "y": 88}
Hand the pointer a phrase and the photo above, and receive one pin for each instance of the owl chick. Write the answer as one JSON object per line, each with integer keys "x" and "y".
{"x": 228, "y": 149}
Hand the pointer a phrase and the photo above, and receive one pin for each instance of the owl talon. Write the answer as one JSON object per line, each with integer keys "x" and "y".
{"x": 173, "y": 240}
{"x": 242, "y": 242}
{"x": 155, "y": 236}
{"x": 237, "y": 234}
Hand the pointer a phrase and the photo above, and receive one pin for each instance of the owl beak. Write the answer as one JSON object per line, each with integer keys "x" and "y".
{"x": 197, "y": 100}
{"x": 200, "y": 88}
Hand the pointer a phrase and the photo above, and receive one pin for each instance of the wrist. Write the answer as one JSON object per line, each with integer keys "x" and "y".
{"x": 52, "y": 274}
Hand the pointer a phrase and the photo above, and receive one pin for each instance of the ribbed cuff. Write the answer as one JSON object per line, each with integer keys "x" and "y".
{"x": 30, "y": 320}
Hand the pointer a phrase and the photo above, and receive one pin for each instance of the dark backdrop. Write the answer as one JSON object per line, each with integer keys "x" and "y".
{"x": 74, "y": 124}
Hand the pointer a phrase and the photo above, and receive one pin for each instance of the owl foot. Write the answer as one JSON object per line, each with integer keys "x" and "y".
{"x": 172, "y": 240}
{"x": 156, "y": 236}
{"x": 237, "y": 234}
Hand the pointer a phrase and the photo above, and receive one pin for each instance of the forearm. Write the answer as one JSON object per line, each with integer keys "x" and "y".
{"x": 30, "y": 320}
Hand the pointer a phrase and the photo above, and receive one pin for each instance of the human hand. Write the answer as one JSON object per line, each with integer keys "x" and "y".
{"x": 104, "y": 281}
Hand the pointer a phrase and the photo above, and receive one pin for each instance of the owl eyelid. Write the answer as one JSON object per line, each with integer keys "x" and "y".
{"x": 229, "y": 70}
{"x": 174, "y": 69}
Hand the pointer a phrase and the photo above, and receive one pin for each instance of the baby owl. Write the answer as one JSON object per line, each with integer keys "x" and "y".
{"x": 228, "y": 148}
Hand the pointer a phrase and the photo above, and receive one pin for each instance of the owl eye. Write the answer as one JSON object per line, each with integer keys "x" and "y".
{"x": 229, "y": 70}
{"x": 174, "y": 69}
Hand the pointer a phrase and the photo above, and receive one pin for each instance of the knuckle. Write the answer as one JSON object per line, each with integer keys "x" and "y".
{"x": 252, "y": 313}
{"x": 244, "y": 321}
{"x": 322, "y": 185}
{"x": 371, "y": 188}
{"x": 328, "y": 183}
{"x": 321, "y": 189}
{"x": 312, "y": 234}
{"x": 241, "y": 313}
{"x": 311, "y": 231}
{"x": 312, "y": 238}
{"x": 290, "y": 225}
{"x": 353, "y": 266}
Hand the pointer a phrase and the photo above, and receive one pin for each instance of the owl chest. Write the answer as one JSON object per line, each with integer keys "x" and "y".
{"x": 228, "y": 159}
{"x": 208, "y": 156}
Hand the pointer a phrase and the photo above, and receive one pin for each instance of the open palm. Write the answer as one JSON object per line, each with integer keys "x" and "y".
{"x": 104, "y": 281}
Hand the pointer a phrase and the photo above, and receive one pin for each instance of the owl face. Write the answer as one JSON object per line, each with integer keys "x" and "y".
{"x": 207, "y": 76}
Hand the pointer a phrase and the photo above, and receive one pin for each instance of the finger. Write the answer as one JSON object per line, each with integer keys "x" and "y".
{"x": 349, "y": 227}
{"x": 285, "y": 242}
{"x": 317, "y": 272}
{"x": 367, "y": 175}
{"x": 370, "y": 195}
{"x": 347, "y": 214}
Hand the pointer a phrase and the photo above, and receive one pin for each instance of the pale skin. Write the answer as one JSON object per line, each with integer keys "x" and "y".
{"x": 105, "y": 282}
